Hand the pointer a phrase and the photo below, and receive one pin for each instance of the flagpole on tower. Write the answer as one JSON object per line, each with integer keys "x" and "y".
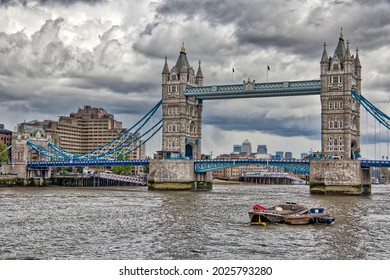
{"x": 232, "y": 74}
{"x": 267, "y": 72}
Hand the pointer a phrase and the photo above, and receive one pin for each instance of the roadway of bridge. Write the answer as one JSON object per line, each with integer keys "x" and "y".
{"x": 200, "y": 165}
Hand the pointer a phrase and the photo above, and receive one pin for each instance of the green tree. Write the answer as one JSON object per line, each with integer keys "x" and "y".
{"x": 125, "y": 169}
{"x": 3, "y": 153}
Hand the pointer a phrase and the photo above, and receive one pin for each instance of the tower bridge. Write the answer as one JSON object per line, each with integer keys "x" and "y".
{"x": 178, "y": 165}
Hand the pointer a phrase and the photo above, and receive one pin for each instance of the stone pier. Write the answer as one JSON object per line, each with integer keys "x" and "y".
{"x": 170, "y": 174}
{"x": 340, "y": 177}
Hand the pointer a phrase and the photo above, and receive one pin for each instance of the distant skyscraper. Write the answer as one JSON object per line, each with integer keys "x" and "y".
{"x": 279, "y": 154}
{"x": 246, "y": 147}
{"x": 262, "y": 149}
{"x": 288, "y": 155}
{"x": 237, "y": 149}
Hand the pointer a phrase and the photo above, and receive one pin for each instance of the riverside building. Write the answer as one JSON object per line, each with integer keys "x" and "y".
{"x": 5, "y": 135}
{"x": 88, "y": 129}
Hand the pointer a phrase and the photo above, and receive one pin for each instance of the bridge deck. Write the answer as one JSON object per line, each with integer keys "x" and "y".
{"x": 202, "y": 165}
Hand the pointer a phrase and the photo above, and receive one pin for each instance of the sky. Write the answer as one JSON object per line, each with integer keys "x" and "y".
{"x": 57, "y": 56}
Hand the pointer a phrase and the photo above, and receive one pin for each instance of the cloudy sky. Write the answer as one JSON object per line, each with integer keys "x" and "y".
{"x": 57, "y": 56}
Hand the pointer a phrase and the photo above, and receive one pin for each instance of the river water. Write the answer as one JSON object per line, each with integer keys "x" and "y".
{"x": 134, "y": 223}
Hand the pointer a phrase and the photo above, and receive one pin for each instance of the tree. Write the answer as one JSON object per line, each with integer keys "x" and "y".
{"x": 125, "y": 169}
{"x": 3, "y": 153}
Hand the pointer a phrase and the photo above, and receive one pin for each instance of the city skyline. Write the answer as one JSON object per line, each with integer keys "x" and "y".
{"x": 60, "y": 55}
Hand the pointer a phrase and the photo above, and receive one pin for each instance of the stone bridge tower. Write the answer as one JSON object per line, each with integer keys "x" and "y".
{"x": 340, "y": 127}
{"x": 182, "y": 116}
{"x": 182, "y": 130}
{"x": 337, "y": 171}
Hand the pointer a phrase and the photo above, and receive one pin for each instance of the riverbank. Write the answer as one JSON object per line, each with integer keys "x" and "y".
{"x": 11, "y": 181}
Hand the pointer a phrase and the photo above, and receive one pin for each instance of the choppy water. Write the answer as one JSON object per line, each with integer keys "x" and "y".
{"x": 134, "y": 223}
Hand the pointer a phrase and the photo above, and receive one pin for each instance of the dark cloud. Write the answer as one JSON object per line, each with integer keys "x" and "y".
{"x": 48, "y": 2}
{"x": 284, "y": 26}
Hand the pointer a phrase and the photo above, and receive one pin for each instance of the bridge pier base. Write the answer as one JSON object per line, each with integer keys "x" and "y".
{"x": 177, "y": 175}
{"x": 339, "y": 177}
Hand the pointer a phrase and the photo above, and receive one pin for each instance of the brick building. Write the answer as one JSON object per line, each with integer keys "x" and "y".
{"x": 5, "y": 135}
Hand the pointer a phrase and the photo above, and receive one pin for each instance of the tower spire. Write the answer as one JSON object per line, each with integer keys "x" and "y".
{"x": 166, "y": 69}
{"x": 324, "y": 58}
{"x": 340, "y": 49}
{"x": 183, "y": 49}
{"x": 199, "y": 75}
{"x": 347, "y": 53}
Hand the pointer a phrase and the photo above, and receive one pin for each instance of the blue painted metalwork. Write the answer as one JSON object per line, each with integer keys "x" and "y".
{"x": 374, "y": 111}
{"x": 251, "y": 89}
{"x": 301, "y": 166}
{"x": 374, "y": 163}
{"x": 45, "y": 164}
{"x": 119, "y": 146}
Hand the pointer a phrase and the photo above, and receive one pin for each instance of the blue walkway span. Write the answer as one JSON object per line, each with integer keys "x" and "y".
{"x": 251, "y": 89}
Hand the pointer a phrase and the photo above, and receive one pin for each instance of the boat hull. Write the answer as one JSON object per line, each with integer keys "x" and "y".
{"x": 275, "y": 214}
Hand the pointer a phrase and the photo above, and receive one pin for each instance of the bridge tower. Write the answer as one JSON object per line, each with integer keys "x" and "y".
{"x": 182, "y": 116}
{"x": 338, "y": 170}
{"x": 182, "y": 130}
{"x": 340, "y": 127}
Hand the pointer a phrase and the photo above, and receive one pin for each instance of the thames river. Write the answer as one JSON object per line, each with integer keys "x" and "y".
{"x": 134, "y": 223}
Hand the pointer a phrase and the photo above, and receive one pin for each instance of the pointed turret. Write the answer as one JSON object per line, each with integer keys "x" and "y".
{"x": 340, "y": 49}
{"x": 357, "y": 60}
{"x": 199, "y": 76}
{"x": 348, "y": 56}
{"x": 324, "y": 58}
{"x": 358, "y": 66}
{"x": 182, "y": 64}
{"x": 165, "y": 69}
{"x": 165, "y": 72}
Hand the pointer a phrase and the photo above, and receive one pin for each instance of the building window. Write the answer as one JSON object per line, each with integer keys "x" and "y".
{"x": 341, "y": 105}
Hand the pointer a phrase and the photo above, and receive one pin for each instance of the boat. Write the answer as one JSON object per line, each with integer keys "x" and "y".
{"x": 275, "y": 214}
{"x": 289, "y": 213}
{"x": 313, "y": 216}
